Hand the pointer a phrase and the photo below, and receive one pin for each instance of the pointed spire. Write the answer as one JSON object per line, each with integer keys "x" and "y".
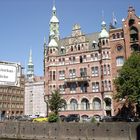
{"x": 44, "y": 40}
{"x": 54, "y": 8}
{"x": 103, "y": 24}
{"x": 114, "y": 20}
{"x": 30, "y": 68}
{"x": 54, "y": 23}
{"x": 54, "y": 18}
{"x": 30, "y": 57}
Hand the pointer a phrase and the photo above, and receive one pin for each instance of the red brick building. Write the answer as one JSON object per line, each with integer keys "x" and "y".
{"x": 83, "y": 66}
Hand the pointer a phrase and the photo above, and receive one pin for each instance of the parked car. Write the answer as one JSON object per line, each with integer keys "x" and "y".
{"x": 24, "y": 118}
{"x": 72, "y": 117}
{"x": 62, "y": 118}
{"x": 86, "y": 119}
{"x": 106, "y": 119}
{"x": 40, "y": 119}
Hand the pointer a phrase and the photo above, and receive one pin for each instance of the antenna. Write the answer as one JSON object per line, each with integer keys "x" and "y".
{"x": 102, "y": 15}
{"x": 53, "y": 2}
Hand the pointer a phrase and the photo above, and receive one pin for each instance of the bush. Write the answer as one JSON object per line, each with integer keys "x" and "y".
{"x": 93, "y": 120}
{"x": 53, "y": 117}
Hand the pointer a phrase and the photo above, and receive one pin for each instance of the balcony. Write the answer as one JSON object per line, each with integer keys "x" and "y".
{"x": 77, "y": 79}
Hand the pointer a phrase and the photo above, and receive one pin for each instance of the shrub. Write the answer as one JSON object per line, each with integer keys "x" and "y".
{"x": 93, "y": 120}
{"x": 53, "y": 117}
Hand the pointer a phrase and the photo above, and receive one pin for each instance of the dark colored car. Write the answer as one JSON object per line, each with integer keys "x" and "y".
{"x": 62, "y": 118}
{"x": 72, "y": 118}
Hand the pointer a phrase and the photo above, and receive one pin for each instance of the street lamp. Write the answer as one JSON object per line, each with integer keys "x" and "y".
{"x": 46, "y": 97}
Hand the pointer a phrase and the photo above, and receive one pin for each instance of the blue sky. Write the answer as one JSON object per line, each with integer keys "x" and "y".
{"x": 24, "y": 23}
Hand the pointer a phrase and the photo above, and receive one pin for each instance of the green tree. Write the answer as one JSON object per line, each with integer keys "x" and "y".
{"x": 127, "y": 84}
{"x": 56, "y": 102}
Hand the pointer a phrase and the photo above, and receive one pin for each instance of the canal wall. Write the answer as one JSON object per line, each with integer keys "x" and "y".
{"x": 69, "y": 131}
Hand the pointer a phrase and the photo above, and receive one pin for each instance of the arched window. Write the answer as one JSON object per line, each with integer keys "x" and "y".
{"x": 103, "y": 42}
{"x": 107, "y": 41}
{"x": 73, "y": 104}
{"x": 81, "y": 59}
{"x": 131, "y": 22}
{"x": 107, "y": 103}
{"x": 119, "y": 60}
{"x": 133, "y": 34}
{"x": 85, "y": 104}
{"x": 96, "y": 104}
{"x": 71, "y": 48}
{"x": 79, "y": 47}
{"x": 135, "y": 47}
{"x": 50, "y": 50}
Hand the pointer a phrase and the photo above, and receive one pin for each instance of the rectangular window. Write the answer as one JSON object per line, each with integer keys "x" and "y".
{"x": 54, "y": 75}
{"x": 109, "y": 85}
{"x": 95, "y": 71}
{"x": 73, "y": 88}
{"x": 96, "y": 57}
{"x": 108, "y": 71}
{"x": 72, "y": 73}
{"x": 83, "y": 72}
{"x": 83, "y": 88}
{"x": 62, "y": 74}
{"x": 61, "y": 88}
{"x": 105, "y": 70}
{"x": 95, "y": 87}
{"x": 84, "y": 58}
{"x": 92, "y": 57}
{"x": 50, "y": 75}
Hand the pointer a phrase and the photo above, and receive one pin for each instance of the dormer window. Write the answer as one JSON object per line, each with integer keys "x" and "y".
{"x": 118, "y": 35}
{"x": 62, "y": 49}
{"x": 94, "y": 43}
{"x": 113, "y": 36}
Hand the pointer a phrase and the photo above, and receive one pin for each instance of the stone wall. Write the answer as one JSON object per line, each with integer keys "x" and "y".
{"x": 69, "y": 131}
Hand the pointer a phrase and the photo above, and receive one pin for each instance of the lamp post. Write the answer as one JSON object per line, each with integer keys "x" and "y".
{"x": 46, "y": 97}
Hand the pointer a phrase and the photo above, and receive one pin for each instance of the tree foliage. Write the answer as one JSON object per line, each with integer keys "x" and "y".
{"x": 53, "y": 117}
{"x": 127, "y": 84}
{"x": 56, "y": 102}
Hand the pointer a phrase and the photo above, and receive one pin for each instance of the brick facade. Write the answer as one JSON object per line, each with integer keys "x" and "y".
{"x": 83, "y": 66}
